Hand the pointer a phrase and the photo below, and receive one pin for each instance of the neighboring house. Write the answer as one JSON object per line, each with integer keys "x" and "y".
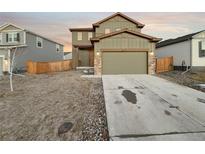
{"x": 114, "y": 45}
{"x": 188, "y": 50}
{"x": 30, "y": 46}
{"x": 67, "y": 55}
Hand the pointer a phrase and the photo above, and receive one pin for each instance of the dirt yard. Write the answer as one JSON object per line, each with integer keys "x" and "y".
{"x": 57, "y": 106}
{"x": 188, "y": 79}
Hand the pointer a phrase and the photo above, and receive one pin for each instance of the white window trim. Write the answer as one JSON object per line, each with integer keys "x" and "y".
{"x": 90, "y": 35}
{"x": 58, "y": 47}
{"x": 24, "y": 37}
{"x": 39, "y": 39}
{"x": 118, "y": 29}
{"x": 107, "y": 30}
{"x": 81, "y": 36}
{"x": 12, "y": 37}
{"x": 203, "y": 45}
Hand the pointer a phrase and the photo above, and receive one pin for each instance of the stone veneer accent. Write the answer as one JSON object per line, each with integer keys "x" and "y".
{"x": 151, "y": 63}
{"x": 98, "y": 63}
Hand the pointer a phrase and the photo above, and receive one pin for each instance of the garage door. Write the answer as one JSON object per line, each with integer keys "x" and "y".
{"x": 1, "y": 65}
{"x": 124, "y": 62}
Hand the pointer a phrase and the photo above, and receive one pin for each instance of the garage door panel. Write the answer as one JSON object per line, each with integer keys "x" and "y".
{"x": 124, "y": 63}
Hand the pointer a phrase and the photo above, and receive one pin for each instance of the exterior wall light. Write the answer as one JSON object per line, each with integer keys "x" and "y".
{"x": 98, "y": 53}
{"x": 152, "y": 53}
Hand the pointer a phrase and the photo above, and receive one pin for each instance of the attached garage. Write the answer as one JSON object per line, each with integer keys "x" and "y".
{"x": 124, "y": 52}
{"x": 125, "y": 62}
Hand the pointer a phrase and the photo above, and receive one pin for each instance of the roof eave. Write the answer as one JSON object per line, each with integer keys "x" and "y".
{"x": 81, "y": 29}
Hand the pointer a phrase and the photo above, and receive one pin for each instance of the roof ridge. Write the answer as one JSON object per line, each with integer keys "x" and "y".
{"x": 121, "y": 14}
{"x": 177, "y": 39}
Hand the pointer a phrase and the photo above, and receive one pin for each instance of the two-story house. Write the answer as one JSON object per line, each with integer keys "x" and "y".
{"x": 114, "y": 45}
{"x": 29, "y": 46}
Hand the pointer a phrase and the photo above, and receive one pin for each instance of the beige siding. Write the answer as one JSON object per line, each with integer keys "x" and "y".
{"x": 196, "y": 60}
{"x": 4, "y": 55}
{"x": 115, "y": 23}
{"x": 84, "y": 40}
{"x": 11, "y": 28}
{"x": 123, "y": 41}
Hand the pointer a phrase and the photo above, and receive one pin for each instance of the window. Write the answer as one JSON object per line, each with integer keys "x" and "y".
{"x": 1, "y": 38}
{"x": 12, "y": 37}
{"x": 107, "y": 30}
{"x": 202, "y": 49}
{"x": 39, "y": 42}
{"x": 57, "y": 48}
{"x": 80, "y": 36}
{"x": 118, "y": 29}
{"x": 90, "y": 35}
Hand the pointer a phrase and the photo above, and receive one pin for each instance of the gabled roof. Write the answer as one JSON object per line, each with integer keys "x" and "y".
{"x": 151, "y": 38}
{"x": 10, "y": 24}
{"x": 82, "y": 29}
{"x": 140, "y": 25}
{"x": 176, "y": 40}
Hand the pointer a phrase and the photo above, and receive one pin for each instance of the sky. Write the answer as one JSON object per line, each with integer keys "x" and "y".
{"x": 56, "y": 25}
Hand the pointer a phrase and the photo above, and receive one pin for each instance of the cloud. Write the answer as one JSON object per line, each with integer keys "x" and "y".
{"x": 166, "y": 31}
{"x": 56, "y": 25}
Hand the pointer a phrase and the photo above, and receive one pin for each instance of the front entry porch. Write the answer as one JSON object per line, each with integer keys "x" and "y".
{"x": 84, "y": 56}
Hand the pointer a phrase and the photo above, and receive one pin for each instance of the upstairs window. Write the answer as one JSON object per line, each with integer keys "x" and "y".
{"x": 202, "y": 49}
{"x": 107, "y": 31}
{"x": 12, "y": 37}
{"x": 90, "y": 35}
{"x": 57, "y": 48}
{"x": 39, "y": 42}
{"x": 79, "y": 36}
{"x": 1, "y": 38}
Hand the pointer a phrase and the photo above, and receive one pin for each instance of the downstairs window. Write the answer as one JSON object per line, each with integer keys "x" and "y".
{"x": 202, "y": 49}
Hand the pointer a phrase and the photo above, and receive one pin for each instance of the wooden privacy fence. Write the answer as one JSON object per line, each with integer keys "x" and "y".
{"x": 164, "y": 64}
{"x": 47, "y": 67}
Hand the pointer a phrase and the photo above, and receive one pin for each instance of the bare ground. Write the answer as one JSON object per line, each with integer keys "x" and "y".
{"x": 40, "y": 104}
{"x": 188, "y": 79}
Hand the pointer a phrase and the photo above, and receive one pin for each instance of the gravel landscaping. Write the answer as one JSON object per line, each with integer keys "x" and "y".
{"x": 56, "y": 106}
{"x": 190, "y": 79}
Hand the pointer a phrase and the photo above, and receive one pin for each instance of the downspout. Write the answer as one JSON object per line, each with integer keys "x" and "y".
{"x": 189, "y": 69}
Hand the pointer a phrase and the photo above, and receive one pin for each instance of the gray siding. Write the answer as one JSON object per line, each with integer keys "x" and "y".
{"x": 115, "y": 23}
{"x": 31, "y": 52}
{"x": 180, "y": 51}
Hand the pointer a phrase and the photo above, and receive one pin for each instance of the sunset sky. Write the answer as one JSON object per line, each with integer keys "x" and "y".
{"x": 56, "y": 25}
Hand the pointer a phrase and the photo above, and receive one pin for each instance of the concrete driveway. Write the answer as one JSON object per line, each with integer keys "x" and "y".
{"x": 144, "y": 107}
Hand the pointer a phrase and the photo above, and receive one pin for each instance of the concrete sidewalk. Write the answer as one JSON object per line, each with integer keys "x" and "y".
{"x": 144, "y": 107}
